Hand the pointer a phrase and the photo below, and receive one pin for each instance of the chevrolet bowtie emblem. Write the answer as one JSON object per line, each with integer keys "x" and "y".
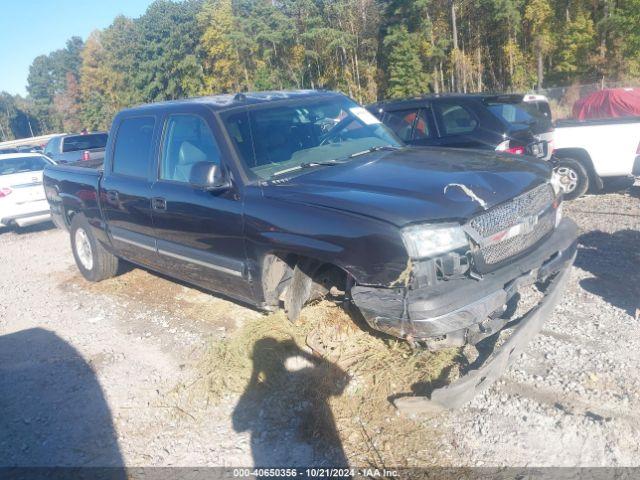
{"x": 527, "y": 225}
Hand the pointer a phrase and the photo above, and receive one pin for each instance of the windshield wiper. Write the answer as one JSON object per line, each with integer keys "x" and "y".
{"x": 334, "y": 162}
{"x": 374, "y": 149}
{"x": 305, "y": 165}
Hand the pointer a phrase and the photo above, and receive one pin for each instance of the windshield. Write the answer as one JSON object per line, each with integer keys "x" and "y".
{"x": 9, "y": 166}
{"x": 522, "y": 115}
{"x": 280, "y": 139}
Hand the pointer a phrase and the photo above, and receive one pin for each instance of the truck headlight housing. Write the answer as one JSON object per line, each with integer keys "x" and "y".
{"x": 428, "y": 241}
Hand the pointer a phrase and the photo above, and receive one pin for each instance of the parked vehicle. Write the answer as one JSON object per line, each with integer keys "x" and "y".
{"x": 591, "y": 151}
{"x": 22, "y": 198}
{"x": 489, "y": 122}
{"x": 275, "y": 198}
{"x": 586, "y": 152}
{"x": 29, "y": 149}
{"x": 77, "y": 148}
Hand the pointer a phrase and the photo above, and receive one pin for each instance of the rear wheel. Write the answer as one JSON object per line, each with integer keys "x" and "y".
{"x": 574, "y": 178}
{"x": 93, "y": 260}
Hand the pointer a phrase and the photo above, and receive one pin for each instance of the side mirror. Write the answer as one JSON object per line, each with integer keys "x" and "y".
{"x": 208, "y": 176}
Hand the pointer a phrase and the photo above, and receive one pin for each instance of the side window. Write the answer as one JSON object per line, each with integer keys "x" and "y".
{"x": 187, "y": 140}
{"x": 401, "y": 122}
{"x": 455, "y": 119}
{"x": 131, "y": 154}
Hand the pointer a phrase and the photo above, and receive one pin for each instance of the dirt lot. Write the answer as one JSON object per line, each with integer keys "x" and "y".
{"x": 105, "y": 374}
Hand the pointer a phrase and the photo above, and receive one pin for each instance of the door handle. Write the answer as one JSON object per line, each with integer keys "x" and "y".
{"x": 158, "y": 203}
{"x": 112, "y": 196}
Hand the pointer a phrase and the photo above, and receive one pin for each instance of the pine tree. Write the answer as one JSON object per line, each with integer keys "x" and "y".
{"x": 575, "y": 48}
{"x": 538, "y": 15}
{"x": 406, "y": 75}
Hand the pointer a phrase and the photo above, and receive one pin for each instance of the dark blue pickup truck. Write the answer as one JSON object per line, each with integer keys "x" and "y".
{"x": 277, "y": 198}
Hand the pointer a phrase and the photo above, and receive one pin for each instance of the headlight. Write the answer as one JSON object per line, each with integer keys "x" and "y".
{"x": 556, "y": 183}
{"x": 428, "y": 241}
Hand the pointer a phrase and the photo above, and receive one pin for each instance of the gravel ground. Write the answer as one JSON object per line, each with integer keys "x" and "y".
{"x": 87, "y": 371}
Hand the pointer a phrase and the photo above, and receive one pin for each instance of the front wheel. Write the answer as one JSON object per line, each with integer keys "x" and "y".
{"x": 93, "y": 260}
{"x": 574, "y": 178}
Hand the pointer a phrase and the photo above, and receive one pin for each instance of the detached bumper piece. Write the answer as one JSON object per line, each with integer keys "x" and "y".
{"x": 464, "y": 389}
{"x": 465, "y": 311}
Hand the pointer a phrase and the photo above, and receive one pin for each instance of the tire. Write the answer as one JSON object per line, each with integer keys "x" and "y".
{"x": 573, "y": 177}
{"x": 93, "y": 260}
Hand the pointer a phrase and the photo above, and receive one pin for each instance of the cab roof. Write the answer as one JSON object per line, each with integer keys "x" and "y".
{"x": 228, "y": 101}
{"x": 435, "y": 97}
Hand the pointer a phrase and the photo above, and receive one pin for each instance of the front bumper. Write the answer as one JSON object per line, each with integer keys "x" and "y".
{"x": 26, "y": 214}
{"x": 464, "y": 389}
{"x": 455, "y": 312}
{"x": 464, "y": 323}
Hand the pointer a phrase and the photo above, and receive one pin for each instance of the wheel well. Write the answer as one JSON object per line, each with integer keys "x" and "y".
{"x": 68, "y": 216}
{"x": 277, "y": 273}
{"x": 583, "y": 157}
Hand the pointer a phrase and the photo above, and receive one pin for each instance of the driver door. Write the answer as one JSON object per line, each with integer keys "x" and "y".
{"x": 199, "y": 233}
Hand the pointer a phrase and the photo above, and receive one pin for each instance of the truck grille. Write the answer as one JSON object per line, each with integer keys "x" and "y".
{"x": 530, "y": 210}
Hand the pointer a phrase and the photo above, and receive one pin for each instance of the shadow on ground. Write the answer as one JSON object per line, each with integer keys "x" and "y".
{"x": 634, "y": 191}
{"x": 285, "y": 407}
{"x": 38, "y": 227}
{"x": 617, "y": 184}
{"x": 52, "y": 409}
{"x": 614, "y": 260}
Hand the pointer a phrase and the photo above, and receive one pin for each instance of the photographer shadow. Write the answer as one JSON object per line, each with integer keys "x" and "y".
{"x": 52, "y": 410}
{"x": 285, "y": 407}
{"x": 613, "y": 260}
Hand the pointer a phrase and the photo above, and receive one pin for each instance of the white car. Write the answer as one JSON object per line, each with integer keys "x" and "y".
{"x": 22, "y": 198}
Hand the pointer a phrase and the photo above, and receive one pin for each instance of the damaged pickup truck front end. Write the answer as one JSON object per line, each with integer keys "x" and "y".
{"x": 462, "y": 286}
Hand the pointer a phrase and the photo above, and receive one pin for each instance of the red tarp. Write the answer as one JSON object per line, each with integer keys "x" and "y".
{"x": 614, "y": 102}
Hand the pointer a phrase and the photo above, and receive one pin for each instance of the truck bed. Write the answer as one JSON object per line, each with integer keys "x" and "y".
{"x": 596, "y": 121}
{"x": 72, "y": 188}
{"x": 610, "y": 144}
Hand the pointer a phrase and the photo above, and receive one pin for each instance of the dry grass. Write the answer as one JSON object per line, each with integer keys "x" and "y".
{"x": 346, "y": 379}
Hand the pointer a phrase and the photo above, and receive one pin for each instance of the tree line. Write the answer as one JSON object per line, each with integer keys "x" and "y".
{"x": 368, "y": 49}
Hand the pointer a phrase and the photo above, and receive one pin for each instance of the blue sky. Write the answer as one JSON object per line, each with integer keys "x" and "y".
{"x": 29, "y": 28}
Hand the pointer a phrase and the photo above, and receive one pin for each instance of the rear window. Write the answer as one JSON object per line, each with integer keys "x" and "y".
{"x": 84, "y": 142}
{"x": 132, "y": 149}
{"x": 522, "y": 115}
{"x": 22, "y": 165}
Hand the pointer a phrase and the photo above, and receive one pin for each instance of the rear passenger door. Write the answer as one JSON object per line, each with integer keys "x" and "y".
{"x": 126, "y": 189}
{"x": 199, "y": 233}
{"x": 458, "y": 126}
{"x": 414, "y": 126}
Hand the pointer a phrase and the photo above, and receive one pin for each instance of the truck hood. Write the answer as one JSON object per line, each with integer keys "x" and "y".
{"x": 414, "y": 184}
